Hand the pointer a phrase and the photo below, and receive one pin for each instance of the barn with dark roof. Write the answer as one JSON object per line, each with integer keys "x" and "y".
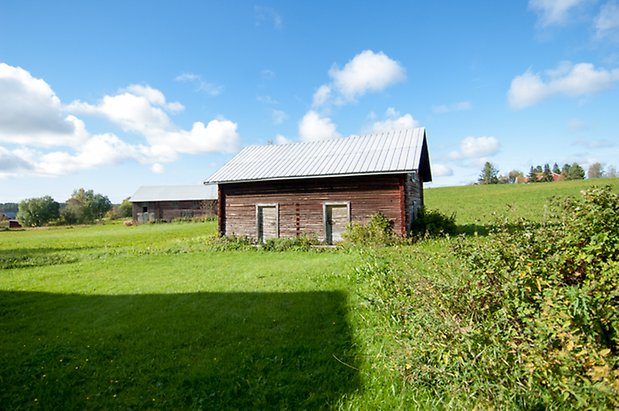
{"x": 317, "y": 188}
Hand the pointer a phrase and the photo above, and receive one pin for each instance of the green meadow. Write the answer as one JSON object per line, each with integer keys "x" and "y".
{"x": 155, "y": 317}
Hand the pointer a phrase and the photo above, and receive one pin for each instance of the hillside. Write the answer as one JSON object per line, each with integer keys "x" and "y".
{"x": 476, "y": 204}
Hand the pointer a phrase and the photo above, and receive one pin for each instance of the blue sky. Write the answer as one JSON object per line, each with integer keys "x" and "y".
{"x": 113, "y": 95}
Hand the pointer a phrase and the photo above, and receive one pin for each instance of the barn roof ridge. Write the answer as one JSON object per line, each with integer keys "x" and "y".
{"x": 388, "y": 152}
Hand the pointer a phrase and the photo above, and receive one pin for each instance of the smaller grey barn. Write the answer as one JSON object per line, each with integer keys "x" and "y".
{"x": 166, "y": 203}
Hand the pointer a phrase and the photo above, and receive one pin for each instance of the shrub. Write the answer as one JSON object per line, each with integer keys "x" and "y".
{"x": 299, "y": 243}
{"x": 433, "y": 223}
{"x": 377, "y": 232}
{"x": 530, "y": 321}
{"x": 230, "y": 243}
{"x": 551, "y": 293}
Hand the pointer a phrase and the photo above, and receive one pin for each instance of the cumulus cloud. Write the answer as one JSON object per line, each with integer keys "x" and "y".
{"x": 475, "y": 147}
{"x": 314, "y": 127}
{"x": 278, "y": 116}
{"x": 555, "y": 12}
{"x": 573, "y": 80}
{"x": 607, "y": 21}
{"x": 441, "y": 170}
{"x": 157, "y": 168}
{"x": 211, "y": 89}
{"x": 31, "y": 113}
{"x": 459, "y": 106}
{"x": 394, "y": 121}
{"x": 281, "y": 139}
{"x": 321, "y": 96}
{"x": 366, "y": 72}
{"x": 37, "y": 121}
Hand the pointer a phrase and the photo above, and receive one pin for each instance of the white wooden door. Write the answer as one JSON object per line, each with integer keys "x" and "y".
{"x": 267, "y": 222}
{"x": 337, "y": 217}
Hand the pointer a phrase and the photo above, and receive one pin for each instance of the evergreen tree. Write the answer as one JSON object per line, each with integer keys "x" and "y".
{"x": 532, "y": 177}
{"x": 489, "y": 174}
{"x": 565, "y": 171}
{"x": 576, "y": 172}
{"x": 556, "y": 169}
{"x": 547, "y": 174}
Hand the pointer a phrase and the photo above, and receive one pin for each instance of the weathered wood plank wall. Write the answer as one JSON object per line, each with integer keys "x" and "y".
{"x": 301, "y": 203}
{"x": 171, "y": 210}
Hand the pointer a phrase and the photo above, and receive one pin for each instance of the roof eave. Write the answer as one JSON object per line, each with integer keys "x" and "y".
{"x": 375, "y": 173}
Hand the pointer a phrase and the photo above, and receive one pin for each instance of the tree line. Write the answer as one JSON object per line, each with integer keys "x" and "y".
{"x": 83, "y": 207}
{"x": 538, "y": 174}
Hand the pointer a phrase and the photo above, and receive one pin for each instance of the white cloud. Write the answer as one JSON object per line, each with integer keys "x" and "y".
{"x": 280, "y": 139}
{"x": 394, "y": 121}
{"x": 313, "y": 127}
{"x": 13, "y": 162}
{"x": 267, "y": 100}
{"x": 321, "y": 95}
{"x": 459, "y": 106}
{"x": 573, "y": 80}
{"x": 157, "y": 168}
{"x": 441, "y": 170}
{"x": 37, "y": 120}
{"x": 31, "y": 113}
{"x": 366, "y": 72}
{"x": 211, "y": 89}
{"x": 607, "y": 21}
{"x": 154, "y": 96}
{"x": 554, "y": 12}
{"x": 476, "y": 147}
{"x": 266, "y": 15}
{"x": 278, "y": 117}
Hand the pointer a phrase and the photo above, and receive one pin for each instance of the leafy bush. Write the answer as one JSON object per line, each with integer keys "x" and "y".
{"x": 299, "y": 243}
{"x": 433, "y": 223}
{"x": 230, "y": 243}
{"x": 377, "y": 232}
{"x": 532, "y": 322}
{"x": 552, "y": 294}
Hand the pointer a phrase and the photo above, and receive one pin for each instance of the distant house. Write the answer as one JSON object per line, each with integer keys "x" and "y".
{"x": 157, "y": 203}
{"x": 11, "y": 217}
{"x": 317, "y": 188}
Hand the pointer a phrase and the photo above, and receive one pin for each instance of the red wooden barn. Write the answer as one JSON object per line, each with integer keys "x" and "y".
{"x": 317, "y": 188}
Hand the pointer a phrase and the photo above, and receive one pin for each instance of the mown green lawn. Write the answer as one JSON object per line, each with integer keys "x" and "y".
{"x": 152, "y": 317}
{"x": 143, "y": 317}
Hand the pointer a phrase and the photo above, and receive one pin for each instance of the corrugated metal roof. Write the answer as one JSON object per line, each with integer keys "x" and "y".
{"x": 388, "y": 152}
{"x": 175, "y": 193}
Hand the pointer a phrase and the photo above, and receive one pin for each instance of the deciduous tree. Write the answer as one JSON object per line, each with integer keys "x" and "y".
{"x": 35, "y": 212}
{"x": 85, "y": 207}
{"x": 595, "y": 171}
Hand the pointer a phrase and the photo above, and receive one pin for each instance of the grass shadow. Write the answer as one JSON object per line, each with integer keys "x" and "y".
{"x": 177, "y": 351}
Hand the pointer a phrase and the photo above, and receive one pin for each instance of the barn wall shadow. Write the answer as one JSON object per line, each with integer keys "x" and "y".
{"x": 176, "y": 351}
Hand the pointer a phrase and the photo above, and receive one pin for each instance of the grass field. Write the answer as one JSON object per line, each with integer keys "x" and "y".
{"x": 481, "y": 204}
{"x": 151, "y": 317}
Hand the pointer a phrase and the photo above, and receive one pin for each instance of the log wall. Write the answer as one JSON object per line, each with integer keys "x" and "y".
{"x": 172, "y": 210}
{"x": 301, "y": 203}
